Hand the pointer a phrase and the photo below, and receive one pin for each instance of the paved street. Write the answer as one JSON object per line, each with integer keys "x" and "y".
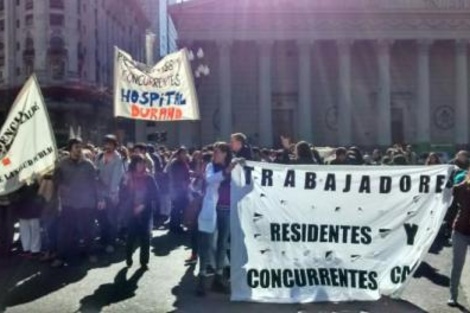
{"x": 27, "y": 286}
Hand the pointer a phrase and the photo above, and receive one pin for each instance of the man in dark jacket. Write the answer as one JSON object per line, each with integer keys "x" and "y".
{"x": 240, "y": 147}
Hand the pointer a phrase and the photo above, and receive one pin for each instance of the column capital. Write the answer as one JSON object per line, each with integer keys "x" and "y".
{"x": 305, "y": 44}
{"x": 424, "y": 45}
{"x": 344, "y": 45}
{"x": 224, "y": 44}
{"x": 383, "y": 45}
{"x": 265, "y": 46}
{"x": 462, "y": 45}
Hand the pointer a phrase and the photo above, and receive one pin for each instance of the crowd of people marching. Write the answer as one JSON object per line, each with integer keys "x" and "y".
{"x": 119, "y": 195}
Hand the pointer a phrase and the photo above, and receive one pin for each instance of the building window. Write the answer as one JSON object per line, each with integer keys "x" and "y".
{"x": 2, "y": 5}
{"x": 18, "y": 47}
{"x": 56, "y": 20}
{"x": 57, "y": 68}
{"x": 2, "y": 61}
{"x": 2, "y": 25}
{"x": 29, "y": 4}
{"x": 2, "y": 46}
{"x": 17, "y": 23}
{"x": 29, "y": 44}
{"x": 29, "y": 20}
{"x": 56, "y": 4}
{"x": 17, "y": 2}
{"x": 29, "y": 67}
{"x": 18, "y": 71}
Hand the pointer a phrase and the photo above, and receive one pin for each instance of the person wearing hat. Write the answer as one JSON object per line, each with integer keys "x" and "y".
{"x": 110, "y": 170}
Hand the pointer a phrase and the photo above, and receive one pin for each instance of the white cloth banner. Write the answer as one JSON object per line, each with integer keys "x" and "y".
{"x": 325, "y": 233}
{"x": 164, "y": 92}
{"x": 27, "y": 143}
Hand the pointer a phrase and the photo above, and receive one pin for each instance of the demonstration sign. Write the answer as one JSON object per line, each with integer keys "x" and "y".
{"x": 323, "y": 233}
{"x": 27, "y": 143}
{"x": 164, "y": 92}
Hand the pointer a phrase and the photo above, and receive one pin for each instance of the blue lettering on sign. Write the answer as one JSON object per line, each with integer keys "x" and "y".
{"x": 153, "y": 98}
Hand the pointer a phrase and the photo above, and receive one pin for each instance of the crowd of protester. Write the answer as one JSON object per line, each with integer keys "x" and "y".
{"x": 118, "y": 195}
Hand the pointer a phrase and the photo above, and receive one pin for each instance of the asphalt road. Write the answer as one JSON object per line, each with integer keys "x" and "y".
{"x": 28, "y": 286}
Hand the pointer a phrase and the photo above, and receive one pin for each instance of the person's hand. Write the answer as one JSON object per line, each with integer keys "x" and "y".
{"x": 101, "y": 205}
{"x": 285, "y": 141}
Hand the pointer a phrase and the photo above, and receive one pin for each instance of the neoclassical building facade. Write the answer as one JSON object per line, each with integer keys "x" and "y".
{"x": 333, "y": 72}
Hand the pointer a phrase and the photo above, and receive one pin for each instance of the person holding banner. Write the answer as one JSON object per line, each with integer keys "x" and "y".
{"x": 460, "y": 237}
{"x": 215, "y": 218}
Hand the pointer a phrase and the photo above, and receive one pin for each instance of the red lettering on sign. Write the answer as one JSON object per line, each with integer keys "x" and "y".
{"x": 179, "y": 114}
{"x": 162, "y": 114}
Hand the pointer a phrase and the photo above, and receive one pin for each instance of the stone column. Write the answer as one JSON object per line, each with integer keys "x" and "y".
{"x": 384, "y": 121}
{"x": 41, "y": 39}
{"x": 305, "y": 95}
{"x": 461, "y": 108}
{"x": 265, "y": 94}
{"x": 225, "y": 87}
{"x": 424, "y": 103}
{"x": 345, "y": 98}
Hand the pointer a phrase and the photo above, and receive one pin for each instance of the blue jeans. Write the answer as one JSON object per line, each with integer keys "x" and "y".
{"x": 460, "y": 244}
{"x": 51, "y": 226}
{"x": 220, "y": 238}
{"x": 222, "y": 244}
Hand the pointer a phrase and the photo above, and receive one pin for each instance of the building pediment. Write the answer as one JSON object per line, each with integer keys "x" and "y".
{"x": 306, "y": 6}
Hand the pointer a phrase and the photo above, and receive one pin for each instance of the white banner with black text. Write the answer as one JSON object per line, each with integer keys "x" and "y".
{"x": 27, "y": 143}
{"x": 331, "y": 233}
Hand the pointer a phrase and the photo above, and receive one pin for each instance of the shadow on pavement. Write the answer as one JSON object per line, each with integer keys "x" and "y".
{"x": 188, "y": 302}
{"x": 439, "y": 244}
{"x": 121, "y": 289}
{"x": 427, "y": 271}
{"x": 165, "y": 244}
{"x": 462, "y": 309}
{"x": 23, "y": 281}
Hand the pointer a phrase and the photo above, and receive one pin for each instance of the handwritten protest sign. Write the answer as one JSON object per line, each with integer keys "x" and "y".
{"x": 322, "y": 233}
{"x": 164, "y": 92}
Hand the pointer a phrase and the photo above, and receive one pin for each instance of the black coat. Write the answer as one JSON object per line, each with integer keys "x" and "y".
{"x": 28, "y": 204}
{"x": 127, "y": 201}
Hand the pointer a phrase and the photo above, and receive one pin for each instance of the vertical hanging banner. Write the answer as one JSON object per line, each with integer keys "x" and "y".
{"x": 164, "y": 92}
{"x": 323, "y": 233}
{"x": 27, "y": 143}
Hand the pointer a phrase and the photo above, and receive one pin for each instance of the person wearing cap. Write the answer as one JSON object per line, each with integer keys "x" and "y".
{"x": 111, "y": 170}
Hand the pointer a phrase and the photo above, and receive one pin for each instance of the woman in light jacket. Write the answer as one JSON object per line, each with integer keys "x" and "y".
{"x": 215, "y": 217}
